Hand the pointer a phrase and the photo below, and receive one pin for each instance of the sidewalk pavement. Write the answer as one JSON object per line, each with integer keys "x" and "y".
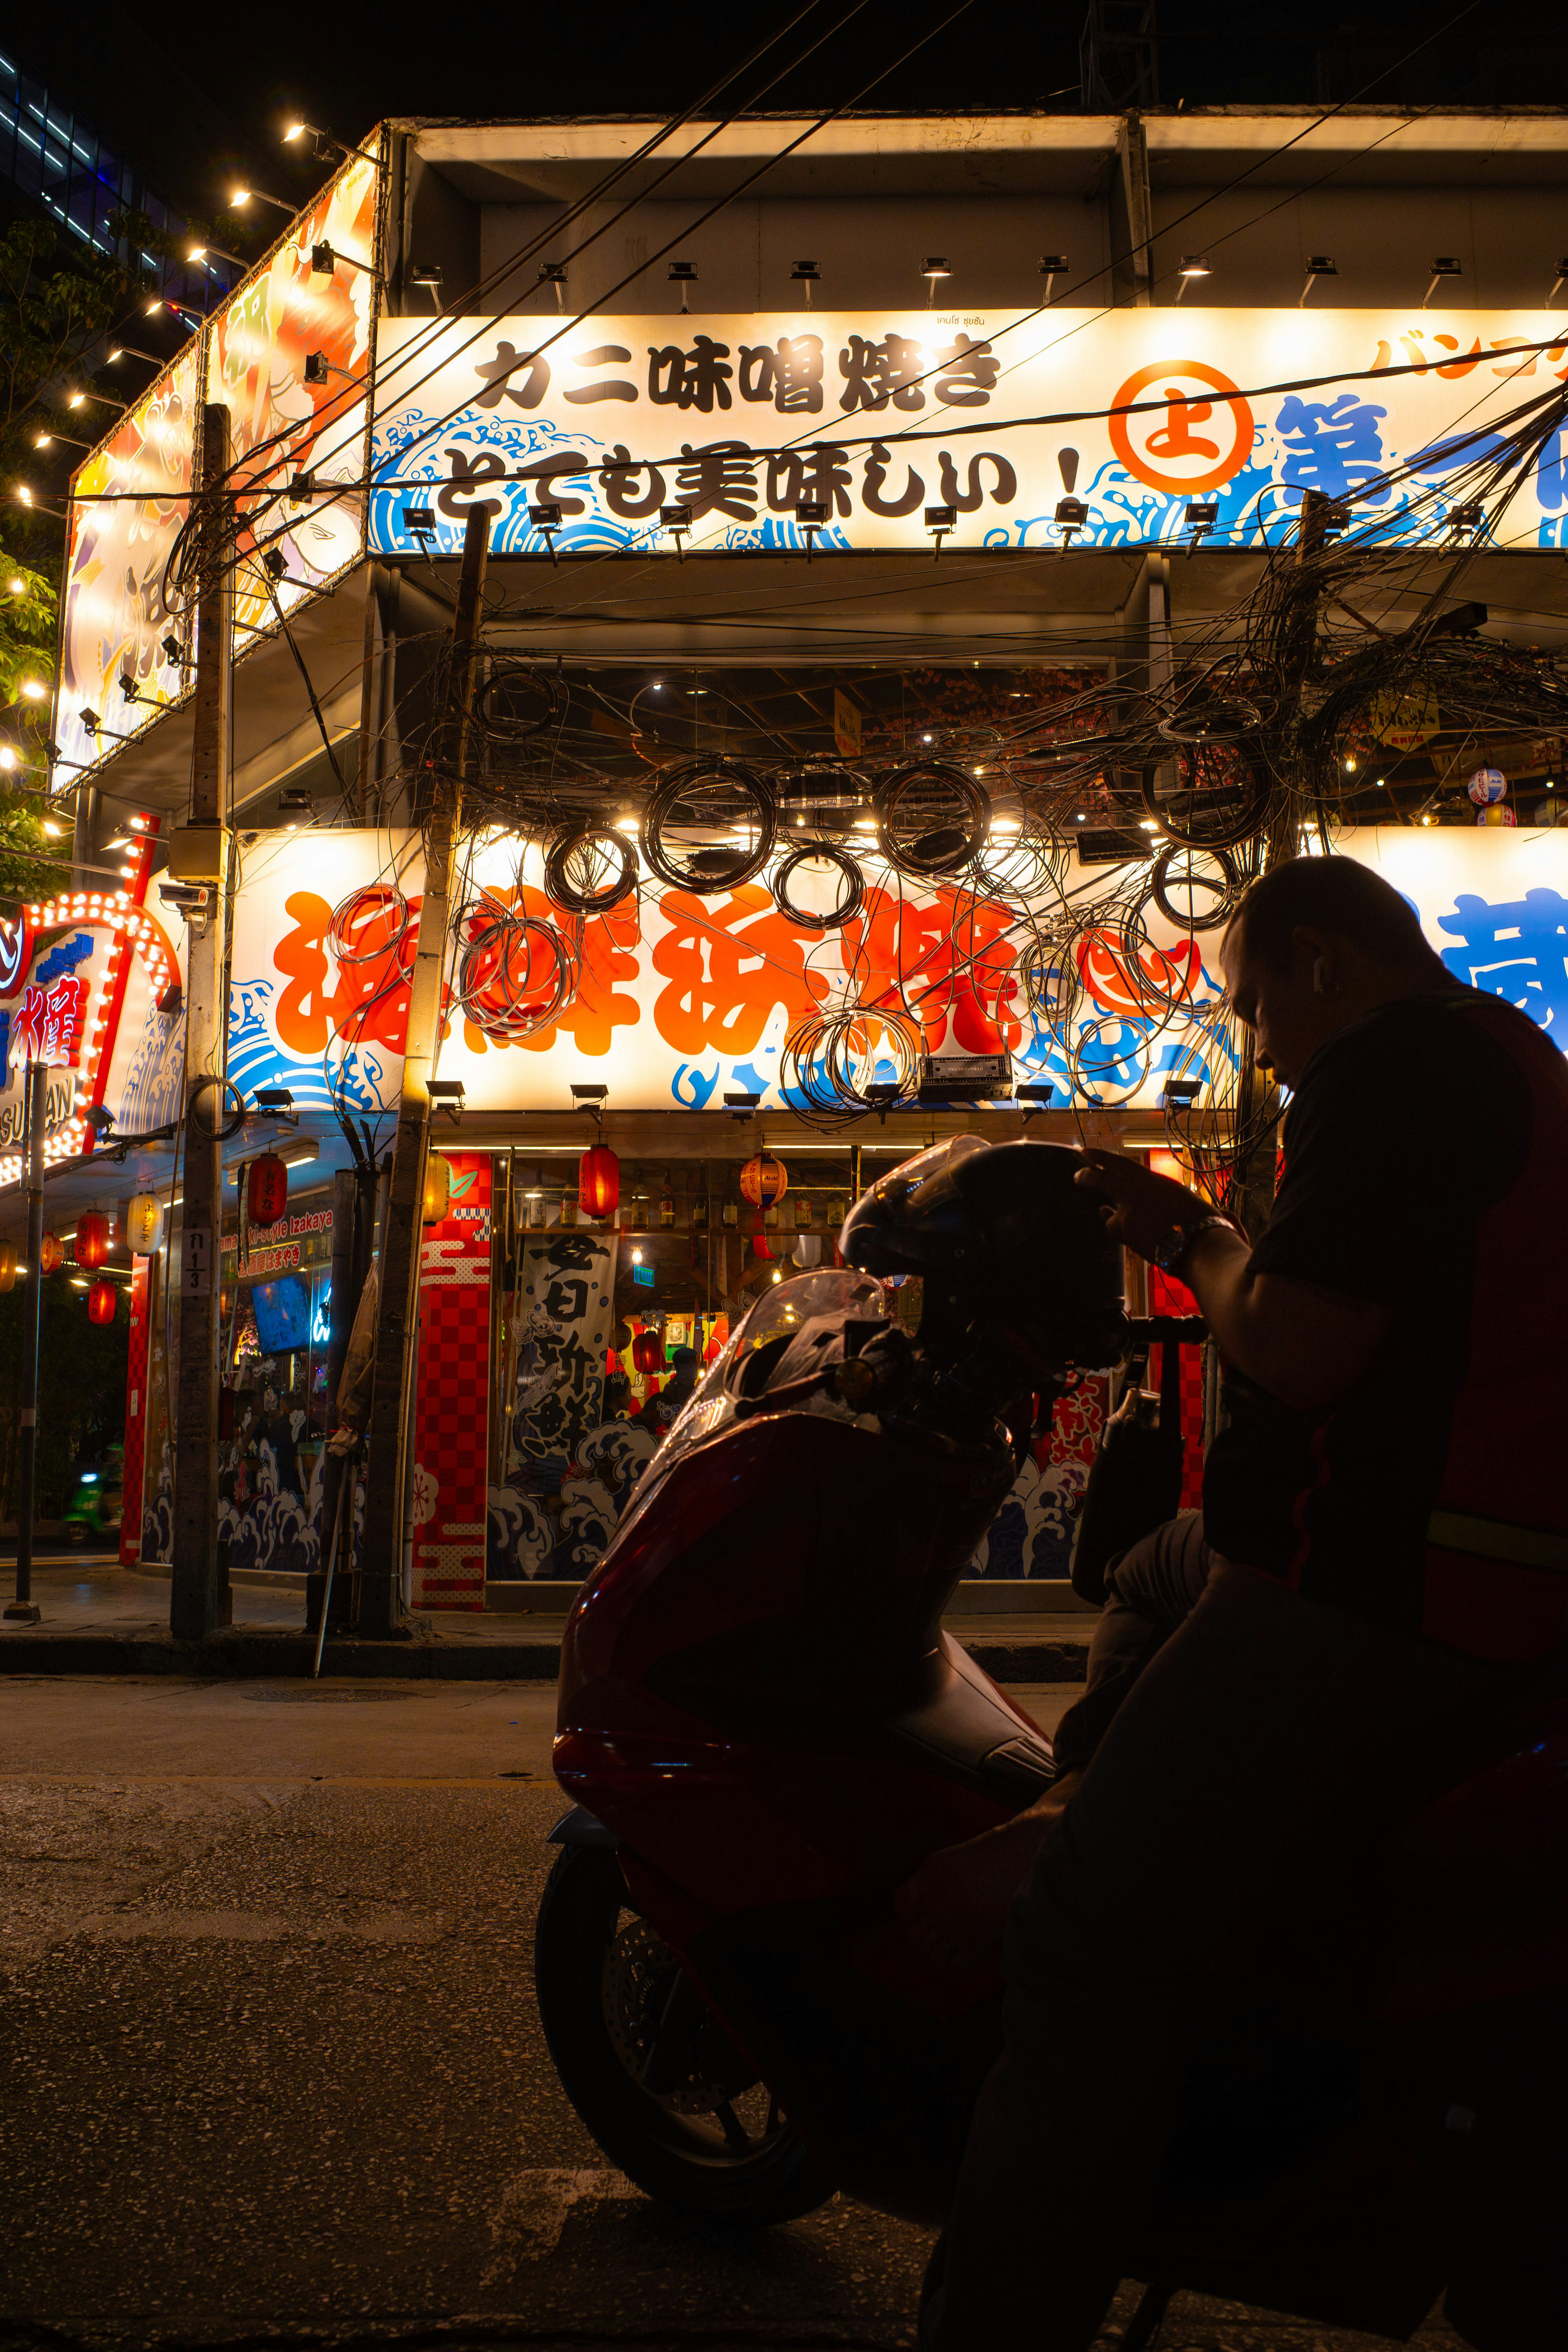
{"x": 101, "y": 1619}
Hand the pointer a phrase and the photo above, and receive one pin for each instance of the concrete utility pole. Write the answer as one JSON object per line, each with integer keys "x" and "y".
{"x": 381, "y": 1612}
{"x": 200, "y": 1600}
{"x": 1258, "y": 1097}
{"x": 36, "y": 1098}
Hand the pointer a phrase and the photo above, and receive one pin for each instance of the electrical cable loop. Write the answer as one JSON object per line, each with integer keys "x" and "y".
{"x": 820, "y": 853}
{"x": 497, "y": 985}
{"x": 348, "y": 933}
{"x": 499, "y": 726}
{"x": 940, "y": 847}
{"x": 576, "y": 862}
{"x": 1220, "y": 797}
{"x": 200, "y": 1089}
{"x": 702, "y": 795}
{"x": 1221, "y": 894}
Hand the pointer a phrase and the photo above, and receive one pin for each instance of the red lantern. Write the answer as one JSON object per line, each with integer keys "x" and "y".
{"x": 764, "y": 1179}
{"x": 92, "y": 1242}
{"x": 647, "y": 1352}
{"x": 598, "y": 1182}
{"x": 267, "y": 1191}
{"x": 101, "y": 1301}
{"x": 51, "y": 1256}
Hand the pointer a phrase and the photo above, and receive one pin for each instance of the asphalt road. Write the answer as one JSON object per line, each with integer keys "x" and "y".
{"x": 270, "y": 2066}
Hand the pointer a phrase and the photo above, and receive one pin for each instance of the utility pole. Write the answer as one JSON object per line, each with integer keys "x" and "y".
{"x": 36, "y": 1097}
{"x": 200, "y": 1599}
{"x": 1258, "y": 1097}
{"x": 381, "y": 1612}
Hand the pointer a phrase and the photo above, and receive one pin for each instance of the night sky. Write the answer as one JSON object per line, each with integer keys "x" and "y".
{"x": 196, "y": 95}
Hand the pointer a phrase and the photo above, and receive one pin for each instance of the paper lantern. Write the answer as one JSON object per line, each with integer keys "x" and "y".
{"x": 647, "y": 1352}
{"x": 7, "y": 1266}
{"x": 808, "y": 1249}
{"x": 598, "y": 1182}
{"x": 1486, "y": 785}
{"x": 101, "y": 1302}
{"x": 621, "y": 1337}
{"x": 91, "y": 1239}
{"x": 267, "y": 1191}
{"x": 437, "y": 1189}
{"x": 764, "y": 1179}
{"x": 51, "y": 1254}
{"x": 144, "y": 1223}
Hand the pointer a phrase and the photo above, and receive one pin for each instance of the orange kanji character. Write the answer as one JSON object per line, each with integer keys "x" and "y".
{"x": 728, "y": 968}
{"x": 946, "y": 959}
{"x": 303, "y": 1006}
{"x": 379, "y": 934}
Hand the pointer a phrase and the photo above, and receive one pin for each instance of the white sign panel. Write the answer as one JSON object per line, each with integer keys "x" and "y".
{"x": 679, "y": 999}
{"x": 877, "y": 417}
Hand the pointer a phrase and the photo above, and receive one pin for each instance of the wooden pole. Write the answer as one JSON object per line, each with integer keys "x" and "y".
{"x": 381, "y": 1610}
{"x": 199, "y": 1598}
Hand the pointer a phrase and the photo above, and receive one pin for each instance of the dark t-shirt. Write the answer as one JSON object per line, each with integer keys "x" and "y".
{"x": 1404, "y": 1131}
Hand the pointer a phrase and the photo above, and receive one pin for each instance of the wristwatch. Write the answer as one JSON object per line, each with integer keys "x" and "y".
{"x": 1171, "y": 1251}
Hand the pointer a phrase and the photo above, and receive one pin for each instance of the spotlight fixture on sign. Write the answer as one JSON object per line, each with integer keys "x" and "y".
{"x": 1193, "y": 264}
{"x": 240, "y": 197}
{"x": 429, "y": 275}
{"x": 1559, "y": 282}
{"x": 806, "y": 274}
{"x": 553, "y": 273}
{"x": 1052, "y": 266}
{"x": 812, "y": 516}
{"x": 932, "y": 268}
{"x": 939, "y": 521}
{"x": 676, "y": 520}
{"x": 1202, "y": 516}
{"x": 1320, "y": 265}
{"x": 1072, "y": 516}
{"x": 545, "y": 519}
{"x": 1445, "y": 265}
{"x": 683, "y": 274}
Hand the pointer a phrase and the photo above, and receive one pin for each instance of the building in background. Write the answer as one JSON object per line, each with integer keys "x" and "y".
{"x": 843, "y": 490}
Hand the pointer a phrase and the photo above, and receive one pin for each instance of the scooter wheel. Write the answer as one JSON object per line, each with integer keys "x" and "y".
{"x": 616, "y": 2004}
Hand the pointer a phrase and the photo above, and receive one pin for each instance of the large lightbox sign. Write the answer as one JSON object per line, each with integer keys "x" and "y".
{"x": 289, "y": 355}
{"x": 740, "y": 417}
{"x": 128, "y": 503}
{"x": 682, "y": 998}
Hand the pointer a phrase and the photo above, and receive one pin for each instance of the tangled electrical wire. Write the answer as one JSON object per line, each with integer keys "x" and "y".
{"x": 1081, "y": 853}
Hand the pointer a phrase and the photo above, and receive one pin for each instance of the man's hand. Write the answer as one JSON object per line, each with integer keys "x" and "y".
{"x": 1143, "y": 1207}
{"x": 954, "y": 1908}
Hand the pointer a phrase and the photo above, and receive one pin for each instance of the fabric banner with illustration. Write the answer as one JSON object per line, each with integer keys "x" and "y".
{"x": 558, "y": 1444}
{"x": 874, "y": 417}
{"x": 128, "y": 504}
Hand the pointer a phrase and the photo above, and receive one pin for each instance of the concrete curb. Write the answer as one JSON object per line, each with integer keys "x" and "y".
{"x": 261, "y": 1656}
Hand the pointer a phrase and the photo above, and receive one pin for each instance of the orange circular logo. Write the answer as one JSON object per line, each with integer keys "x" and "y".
{"x": 1181, "y": 444}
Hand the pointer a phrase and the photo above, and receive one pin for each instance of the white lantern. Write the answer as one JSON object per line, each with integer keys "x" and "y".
{"x": 144, "y": 1223}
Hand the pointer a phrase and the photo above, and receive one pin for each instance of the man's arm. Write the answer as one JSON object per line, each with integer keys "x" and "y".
{"x": 1308, "y": 1346}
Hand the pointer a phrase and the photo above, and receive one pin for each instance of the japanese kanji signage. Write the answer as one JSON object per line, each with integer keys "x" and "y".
{"x": 684, "y": 998}
{"x": 48, "y": 1023}
{"x": 742, "y": 418}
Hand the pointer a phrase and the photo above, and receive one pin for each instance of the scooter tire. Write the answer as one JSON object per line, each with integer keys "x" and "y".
{"x": 673, "y": 2156}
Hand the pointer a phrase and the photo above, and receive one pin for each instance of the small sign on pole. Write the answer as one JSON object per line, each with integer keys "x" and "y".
{"x": 196, "y": 1262}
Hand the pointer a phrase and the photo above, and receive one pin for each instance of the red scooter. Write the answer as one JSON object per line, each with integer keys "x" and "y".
{"x": 765, "y": 1731}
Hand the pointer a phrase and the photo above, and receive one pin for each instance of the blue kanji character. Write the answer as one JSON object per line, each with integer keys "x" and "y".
{"x": 1334, "y": 446}
{"x": 1517, "y": 950}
